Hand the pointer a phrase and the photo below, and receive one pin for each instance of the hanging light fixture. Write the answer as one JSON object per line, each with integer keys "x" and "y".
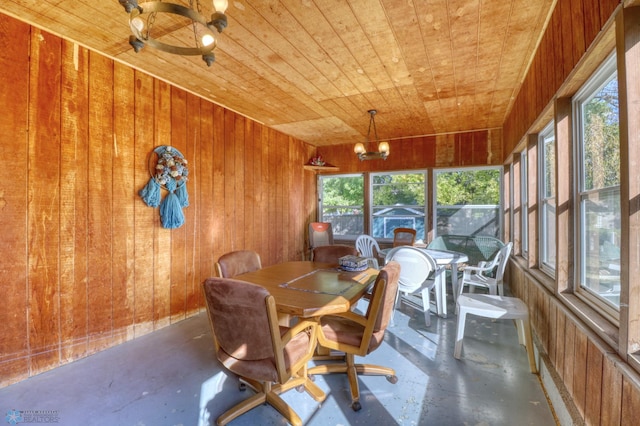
{"x": 143, "y": 19}
{"x": 383, "y": 146}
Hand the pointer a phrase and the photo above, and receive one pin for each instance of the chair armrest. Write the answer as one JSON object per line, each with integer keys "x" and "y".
{"x": 477, "y": 269}
{"x": 352, "y": 316}
{"x": 302, "y": 325}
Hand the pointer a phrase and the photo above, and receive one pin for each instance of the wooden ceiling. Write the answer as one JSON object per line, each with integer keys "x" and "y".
{"x": 312, "y": 68}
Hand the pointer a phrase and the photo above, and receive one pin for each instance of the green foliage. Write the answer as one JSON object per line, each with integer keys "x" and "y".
{"x": 479, "y": 187}
{"x": 601, "y": 134}
{"x": 549, "y": 184}
{"x": 405, "y": 189}
{"x": 343, "y": 191}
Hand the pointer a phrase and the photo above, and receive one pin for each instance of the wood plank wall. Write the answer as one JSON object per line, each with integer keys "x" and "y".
{"x": 604, "y": 389}
{"x": 600, "y": 383}
{"x": 85, "y": 264}
{"x": 573, "y": 27}
{"x": 479, "y": 148}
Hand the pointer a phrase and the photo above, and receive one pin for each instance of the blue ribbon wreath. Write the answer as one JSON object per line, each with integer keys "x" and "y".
{"x": 171, "y": 173}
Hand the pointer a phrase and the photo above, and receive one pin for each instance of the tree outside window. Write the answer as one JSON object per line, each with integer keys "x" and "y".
{"x": 468, "y": 202}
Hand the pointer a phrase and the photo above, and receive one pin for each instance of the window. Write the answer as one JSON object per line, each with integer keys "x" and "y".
{"x": 598, "y": 153}
{"x": 511, "y": 196}
{"x": 398, "y": 201}
{"x": 468, "y": 202}
{"x": 524, "y": 203}
{"x": 342, "y": 204}
{"x": 547, "y": 188}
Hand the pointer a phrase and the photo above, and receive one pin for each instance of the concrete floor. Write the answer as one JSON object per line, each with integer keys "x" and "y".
{"x": 171, "y": 378}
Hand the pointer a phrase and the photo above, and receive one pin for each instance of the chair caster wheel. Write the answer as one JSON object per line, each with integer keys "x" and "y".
{"x": 392, "y": 379}
{"x": 312, "y": 378}
{"x": 300, "y": 388}
{"x": 242, "y": 387}
{"x": 355, "y": 406}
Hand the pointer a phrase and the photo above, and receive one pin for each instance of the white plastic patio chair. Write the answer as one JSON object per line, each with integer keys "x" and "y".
{"x": 480, "y": 276}
{"x": 419, "y": 275}
{"x": 495, "y": 307}
{"x": 368, "y": 247}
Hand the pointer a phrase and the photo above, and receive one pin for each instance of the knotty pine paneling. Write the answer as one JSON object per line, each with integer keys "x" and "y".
{"x": 178, "y": 287}
{"x": 630, "y": 402}
{"x": 43, "y": 204}
{"x": 193, "y": 243}
{"x": 123, "y": 211}
{"x": 580, "y": 370}
{"x": 603, "y": 388}
{"x": 570, "y": 32}
{"x": 162, "y": 245}
{"x": 100, "y": 201}
{"x": 145, "y": 219}
{"x": 14, "y": 57}
{"x": 479, "y": 148}
{"x": 592, "y": 24}
{"x": 600, "y": 384}
{"x": 611, "y": 393}
{"x": 86, "y": 263}
{"x": 74, "y": 208}
{"x": 593, "y": 394}
{"x": 206, "y": 198}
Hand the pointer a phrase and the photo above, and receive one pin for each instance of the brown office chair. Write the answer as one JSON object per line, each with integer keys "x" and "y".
{"x": 404, "y": 237}
{"x": 248, "y": 342}
{"x": 356, "y": 334}
{"x": 238, "y": 262}
{"x": 331, "y": 254}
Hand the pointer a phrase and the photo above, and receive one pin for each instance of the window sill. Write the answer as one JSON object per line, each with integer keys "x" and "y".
{"x": 591, "y": 320}
{"x": 544, "y": 279}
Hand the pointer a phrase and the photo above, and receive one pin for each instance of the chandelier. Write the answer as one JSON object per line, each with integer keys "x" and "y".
{"x": 150, "y": 21}
{"x": 383, "y": 147}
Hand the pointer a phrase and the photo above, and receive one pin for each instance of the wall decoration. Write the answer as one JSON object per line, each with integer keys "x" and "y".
{"x": 169, "y": 171}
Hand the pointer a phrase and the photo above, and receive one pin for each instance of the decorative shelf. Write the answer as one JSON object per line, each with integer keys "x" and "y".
{"x": 328, "y": 168}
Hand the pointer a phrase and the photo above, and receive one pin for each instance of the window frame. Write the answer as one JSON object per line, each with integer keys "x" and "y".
{"x": 512, "y": 199}
{"x": 605, "y": 73}
{"x": 320, "y": 189}
{"x": 370, "y": 207}
{"x": 546, "y": 136}
{"x": 434, "y": 199}
{"x": 524, "y": 204}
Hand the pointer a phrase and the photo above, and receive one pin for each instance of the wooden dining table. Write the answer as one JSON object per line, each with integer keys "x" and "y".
{"x": 311, "y": 289}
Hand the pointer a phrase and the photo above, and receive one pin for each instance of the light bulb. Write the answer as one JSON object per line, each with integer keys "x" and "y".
{"x": 137, "y": 23}
{"x": 220, "y": 5}
{"x": 359, "y": 148}
{"x": 207, "y": 40}
{"x": 383, "y": 147}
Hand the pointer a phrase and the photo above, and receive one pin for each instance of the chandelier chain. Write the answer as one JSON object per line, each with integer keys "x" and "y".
{"x": 193, "y": 23}
{"x": 151, "y": 20}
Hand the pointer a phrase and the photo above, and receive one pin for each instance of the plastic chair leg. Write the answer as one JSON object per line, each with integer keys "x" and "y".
{"x": 426, "y": 306}
{"x": 441, "y": 292}
{"x": 462, "y": 317}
